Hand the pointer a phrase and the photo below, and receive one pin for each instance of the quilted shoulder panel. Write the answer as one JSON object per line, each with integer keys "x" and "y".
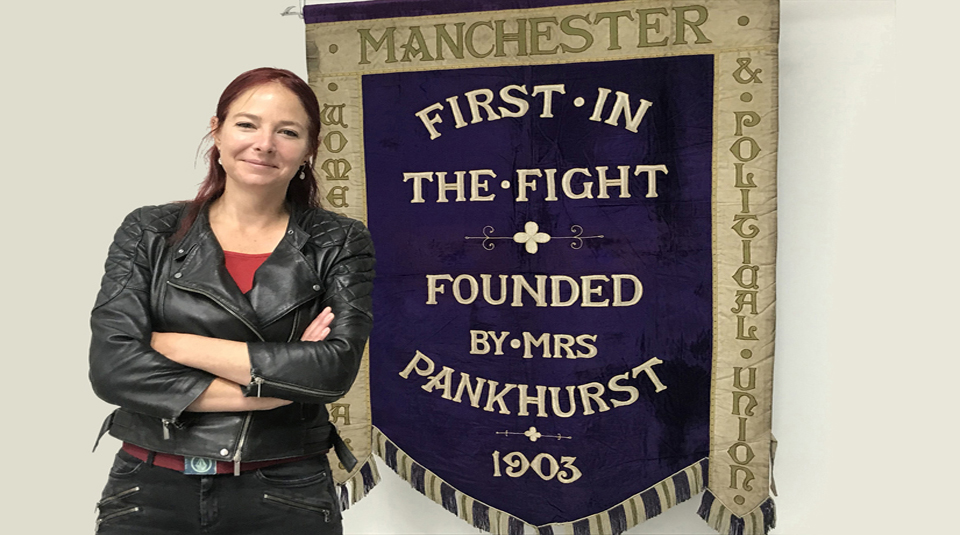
{"x": 351, "y": 269}
{"x": 327, "y": 228}
{"x": 162, "y": 219}
{"x": 124, "y": 252}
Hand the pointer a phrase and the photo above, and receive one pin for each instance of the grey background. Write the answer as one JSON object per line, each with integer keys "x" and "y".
{"x": 103, "y": 107}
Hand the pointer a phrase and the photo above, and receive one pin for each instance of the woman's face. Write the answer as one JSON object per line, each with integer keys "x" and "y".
{"x": 263, "y": 140}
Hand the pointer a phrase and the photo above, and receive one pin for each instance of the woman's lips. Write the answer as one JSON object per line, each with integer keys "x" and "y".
{"x": 258, "y": 163}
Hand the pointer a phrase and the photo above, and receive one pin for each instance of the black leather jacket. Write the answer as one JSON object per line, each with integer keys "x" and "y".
{"x": 323, "y": 260}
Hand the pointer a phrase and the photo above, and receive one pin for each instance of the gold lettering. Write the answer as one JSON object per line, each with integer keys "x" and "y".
{"x": 750, "y": 334}
{"x": 747, "y": 477}
{"x": 751, "y": 403}
{"x": 745, "y": 298}
{"x": 733, "y": 450}
{"x": 340, "y": 411}
{"x": 367, "y": 39}
{"x": 502, "y": 37}
{"x": 336, "y": 168}
{"x": 738, "y": 226}
{"x": 332, "y": 115}
{"x": 737, "y": 149}
{"x": 337, "y": 137}
{"x": 683, "y": 23}
{"x": 746, "y": 118}
{"x": 646, "y": 25}
{"x": 738, "y": 379}
{"x": 468, "y": 41}
{"x": 754, "y": 275}
{"x": 415, "y": 46}
{"x": 443, "y": 38}
{"x": 567, "y": 28}
{"x": 743, "y": 181}
{"x": 613, "y": 18}
{"x": 337, "y": 197}
{"x": 745, "y": 200}
{"x": 536, "y": 33}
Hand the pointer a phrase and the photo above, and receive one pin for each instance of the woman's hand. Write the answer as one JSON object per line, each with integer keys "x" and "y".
{"x": 319, "y": 328}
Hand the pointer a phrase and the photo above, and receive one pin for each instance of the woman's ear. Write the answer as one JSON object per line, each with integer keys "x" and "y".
{"x": 215, "y": 130}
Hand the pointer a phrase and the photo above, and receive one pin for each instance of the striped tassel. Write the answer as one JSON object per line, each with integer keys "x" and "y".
{"x": 359, "y": 485}
{"x": 673, "y": 490}
{"x": 758, "y": 522}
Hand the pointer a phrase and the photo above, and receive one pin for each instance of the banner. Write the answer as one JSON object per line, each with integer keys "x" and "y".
{"x": 574, "y": 210}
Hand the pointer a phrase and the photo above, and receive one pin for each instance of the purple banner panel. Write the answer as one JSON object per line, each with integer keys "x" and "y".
{"x": 588, "y": 354}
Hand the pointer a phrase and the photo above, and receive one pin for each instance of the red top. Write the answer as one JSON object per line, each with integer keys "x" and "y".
{"x": 242, "y": 266}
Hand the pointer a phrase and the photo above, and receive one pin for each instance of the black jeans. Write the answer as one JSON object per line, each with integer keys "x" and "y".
{"x": 289, "y": 499}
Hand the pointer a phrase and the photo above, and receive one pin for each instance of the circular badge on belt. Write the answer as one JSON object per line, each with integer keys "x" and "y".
{"x": 199, "y": 464}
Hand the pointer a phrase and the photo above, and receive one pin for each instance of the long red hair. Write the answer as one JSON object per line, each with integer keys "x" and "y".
{"x": 300, "y": 193}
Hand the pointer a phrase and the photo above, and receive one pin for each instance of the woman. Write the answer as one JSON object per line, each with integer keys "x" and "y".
{"x": 224, "y": 325}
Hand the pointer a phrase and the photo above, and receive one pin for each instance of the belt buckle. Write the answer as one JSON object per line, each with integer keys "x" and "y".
{"x": 199, "y": 466}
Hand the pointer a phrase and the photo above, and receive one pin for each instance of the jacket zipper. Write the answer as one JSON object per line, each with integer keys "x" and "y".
{"x": 243, "y": 438}
{"x": 299, "y": 505}
{"x": 259, "y": 381}
{"x": 116, "y": 496}
{"x": 296, "y": 319}
{"x": 246, "y": 420}
{"x": 111, "y": 516}
{"x": 167, "y": 422}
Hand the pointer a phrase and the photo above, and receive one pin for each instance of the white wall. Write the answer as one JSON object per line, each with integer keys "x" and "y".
{"x": 103, "y": 106}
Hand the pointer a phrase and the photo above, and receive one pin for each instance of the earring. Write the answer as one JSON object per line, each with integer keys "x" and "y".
{"x": 220, "y": 161}
{"x": 303, "y": 174}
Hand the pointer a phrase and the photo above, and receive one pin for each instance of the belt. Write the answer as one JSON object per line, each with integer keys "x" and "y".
{"x": 179, "y": 462}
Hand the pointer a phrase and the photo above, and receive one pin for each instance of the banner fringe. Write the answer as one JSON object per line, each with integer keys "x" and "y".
{"x": 673, "y": 490}
{"x": 359, "y": 485}
{"x": 758, "y": 522}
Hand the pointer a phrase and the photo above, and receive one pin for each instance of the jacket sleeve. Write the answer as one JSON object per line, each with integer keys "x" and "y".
{"x": 322, "y": 372}
{"x": 124, "y": 369}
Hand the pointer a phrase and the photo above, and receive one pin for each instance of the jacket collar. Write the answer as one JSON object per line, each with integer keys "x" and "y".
{"x": 284, "y": 281}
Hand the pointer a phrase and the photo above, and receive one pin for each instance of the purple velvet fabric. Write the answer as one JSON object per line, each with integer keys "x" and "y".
{"x": 665, "y": 242}
{"x": 383, "y": 9}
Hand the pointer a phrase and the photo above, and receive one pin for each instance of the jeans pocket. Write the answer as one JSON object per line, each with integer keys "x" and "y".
{"x": 125, "y": 465}
{"x": 295, "y": 474}
{"x": 301, "y": 486}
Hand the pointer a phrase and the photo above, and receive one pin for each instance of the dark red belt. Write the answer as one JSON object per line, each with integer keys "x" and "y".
{"x": 175, "y": 462}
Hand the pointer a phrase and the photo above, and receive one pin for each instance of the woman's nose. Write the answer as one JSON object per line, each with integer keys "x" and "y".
{"x": 264, "y": 142}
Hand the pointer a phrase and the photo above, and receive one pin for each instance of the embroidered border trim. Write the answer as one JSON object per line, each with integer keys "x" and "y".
{"x": 642, "y": 506}
{"x": 354, "y": 489}
{"x": 758, "y": 522}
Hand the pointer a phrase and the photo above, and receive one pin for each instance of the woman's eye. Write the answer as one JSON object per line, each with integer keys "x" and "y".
{"x": 290, "y": 133}
{"x": 245, "y": 125}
